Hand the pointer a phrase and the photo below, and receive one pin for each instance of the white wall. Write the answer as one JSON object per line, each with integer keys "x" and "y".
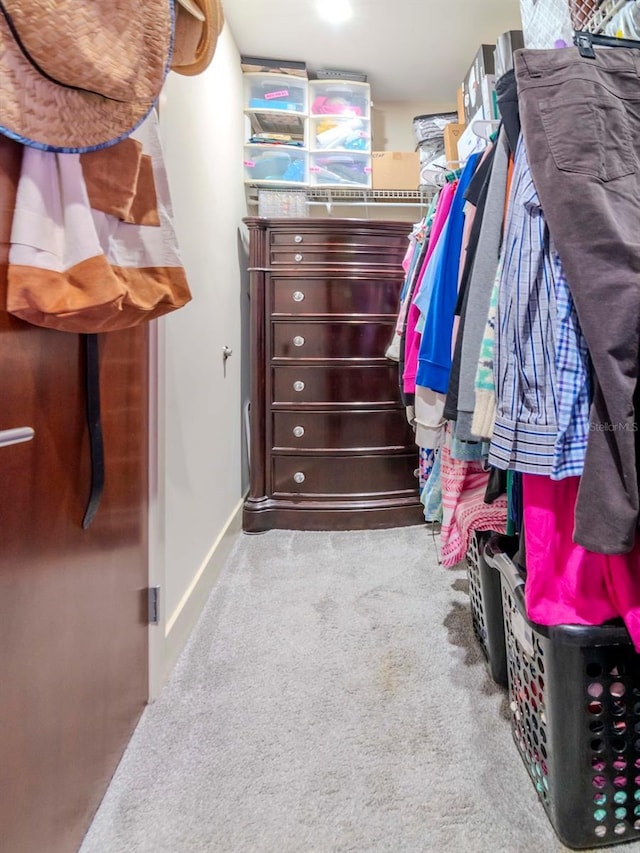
{"x": 198, "y": 488}
{"x": 392, "y": 123}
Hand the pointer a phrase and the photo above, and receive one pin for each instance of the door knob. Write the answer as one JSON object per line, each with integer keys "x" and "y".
{"x": 226, "y": 352}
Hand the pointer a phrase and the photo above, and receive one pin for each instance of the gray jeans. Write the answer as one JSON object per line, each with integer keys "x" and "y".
{"x": 581, "y": 124}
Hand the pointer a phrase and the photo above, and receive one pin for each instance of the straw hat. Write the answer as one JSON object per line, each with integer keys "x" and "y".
{"x": 76, "y": 76}
{"x": 198, "y": 25}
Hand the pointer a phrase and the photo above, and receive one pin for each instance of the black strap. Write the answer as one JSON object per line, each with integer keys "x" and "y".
{"x": 96, "y": 448}
{"x": 585, "y": 41}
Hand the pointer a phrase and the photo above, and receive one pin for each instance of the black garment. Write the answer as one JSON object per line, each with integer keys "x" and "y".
{"x": 507, "y": 94}
{"x": 496, "y": 485}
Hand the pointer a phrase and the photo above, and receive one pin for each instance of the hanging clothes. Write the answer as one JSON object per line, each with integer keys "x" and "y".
{"x": 434, "y": 358}
{"x": 481, "y": 285}
{"x": 475, "y": 196}
{"x": 412, "y": 337}
{"x": 581, "y": 123}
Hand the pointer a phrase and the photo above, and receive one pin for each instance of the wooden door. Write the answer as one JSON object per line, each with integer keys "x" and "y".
{"x": 73, "y": 635}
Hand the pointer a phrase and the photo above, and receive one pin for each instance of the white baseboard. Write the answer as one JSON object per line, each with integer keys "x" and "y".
{"x": 182, "y": 621}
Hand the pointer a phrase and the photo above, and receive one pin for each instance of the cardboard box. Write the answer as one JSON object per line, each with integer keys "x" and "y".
{"x": 395, "y": 170}
{"x": 482, "y": 65}
{"x": 452, "y": 133}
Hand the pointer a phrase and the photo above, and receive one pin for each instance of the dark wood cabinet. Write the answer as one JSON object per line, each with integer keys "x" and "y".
{"x": 330, "y": 445}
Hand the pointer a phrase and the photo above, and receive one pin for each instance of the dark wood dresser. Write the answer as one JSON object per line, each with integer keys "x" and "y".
{"x": 330, "y": 446}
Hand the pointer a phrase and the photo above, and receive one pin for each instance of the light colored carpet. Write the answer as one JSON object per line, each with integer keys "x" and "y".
{"x": 332, "y": 699}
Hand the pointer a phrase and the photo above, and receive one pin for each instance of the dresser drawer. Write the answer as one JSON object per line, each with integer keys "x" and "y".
{"x": 329, "y": 295}
{"x": 354, "y": 384}
{"x": 332, "y": 256}
{"x": 344, "y": 475}
{"x": 342, "y": 430}
{"x": 335, "y": 239}
{"x": 324, "y": 339}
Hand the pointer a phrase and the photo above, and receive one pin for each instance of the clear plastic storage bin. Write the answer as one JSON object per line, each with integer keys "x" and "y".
{"x": 339, "y": 169}
{"x": 275, "y": 164}
{"x": 279, "y": 92}
{"x": 331, "y": 133}
{"x": 339, "y": 98}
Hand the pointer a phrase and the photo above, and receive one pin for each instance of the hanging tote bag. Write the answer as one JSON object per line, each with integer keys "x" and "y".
{"x": 93, "y": 247}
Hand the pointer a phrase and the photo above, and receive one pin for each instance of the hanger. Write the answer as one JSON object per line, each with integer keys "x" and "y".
{"x": 449, "y": 171}
{"x": 585, "y": 41}
{"x": 485, "y": 128}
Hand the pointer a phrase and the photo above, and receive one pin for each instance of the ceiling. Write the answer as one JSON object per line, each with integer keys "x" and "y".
{"x": 411, "y": 50}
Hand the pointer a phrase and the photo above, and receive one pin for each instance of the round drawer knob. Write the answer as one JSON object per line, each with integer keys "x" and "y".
{"x": 298, "y": 386}
{"x": 298, "y": 431}
{"x": 298, "y": 341}
{"x": 298, "y": 296}
{"x": 297, "y": 238}
{"x": 298, "y": 257}
{"x": 299, "y": 477}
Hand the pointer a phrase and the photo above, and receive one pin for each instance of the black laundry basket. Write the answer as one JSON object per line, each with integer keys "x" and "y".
{"x": 486, "y": 608}
{"x": 574, "y": 695}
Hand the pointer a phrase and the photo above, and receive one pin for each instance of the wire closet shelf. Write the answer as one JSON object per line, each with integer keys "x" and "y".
{"x": 348, "y": 196}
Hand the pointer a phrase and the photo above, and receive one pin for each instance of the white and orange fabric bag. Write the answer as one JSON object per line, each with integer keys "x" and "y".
{"x": 93, "y": 246}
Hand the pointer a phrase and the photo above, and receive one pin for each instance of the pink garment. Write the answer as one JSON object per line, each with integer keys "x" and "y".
{"x": 412, "y": 338}
{"x": 463, "y": 508}
{"x": 324, "y": 105}
{"x": 566, "y": 584}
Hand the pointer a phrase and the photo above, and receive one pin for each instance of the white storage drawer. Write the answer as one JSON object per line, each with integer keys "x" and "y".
{"x": 339, "y": 98}
{"x": 275, "y": 164}
{"x": 281, "y": 92}
{"x": 331, "y": 133}
{"x": 339, "y": 169}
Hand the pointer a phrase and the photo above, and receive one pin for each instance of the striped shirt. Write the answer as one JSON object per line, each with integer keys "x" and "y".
{"x": 526, "y": 426}
{"x": 541, "y": 360}
{"x": 574, "y": 385}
